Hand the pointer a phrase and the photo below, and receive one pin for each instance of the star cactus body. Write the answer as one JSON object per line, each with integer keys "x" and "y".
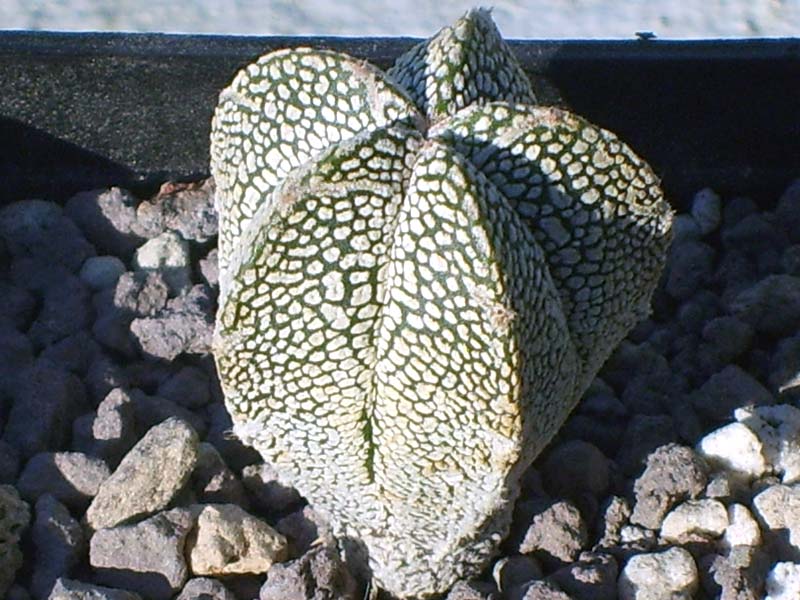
{"x": 420, "y": 273}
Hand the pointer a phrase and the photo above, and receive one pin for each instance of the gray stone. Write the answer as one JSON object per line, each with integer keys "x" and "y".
{"x": 18, "y": 305}
{"x": 152, "y": 410}
{"x": 106, "y": 217}
{"x": 783, "y": 582}
{"x": 512, "y": 572}
{"x": 73, "y": 353}
{"x": 771, "y": 306}
{"x": 540, "y": 590}
{"x": 784, "y": 369}
{"x": 205, "y": 588}
{"x": 721, "y": 486}
{"x": 668, "y": 575}
{"x": 777, "y": 509}
{"x": 112, "y": 330}
{"x": 674, "y": 473}
{"x": 149, "y": 476}
{"x": 556, "y": 533}
{"x": 147, "y": 557}
{"x": 36, "y": 274}
{"x": 187, "y": 208}
{"x": 614, "y": 515}
{"x": 758, "y": 237}
{"x": 70, "y": 477}
{"x": 188, "y": 387}
{"x": 214, "y": 482}
{"x": 742, "y": 529}
{"x": 209, "y": 268}
{"x": 103, "y": 376}
{"x": 140, "y": 293}
{"x": 268, "y": 493}
{"x": 685, "y": 229}
{"x": 101, "y": 272}
{"x": 14, "y": 518}
{"x": 575, "y": 467}
{"x": 9, "y": 463}
{"x": 45, "y": 401}
{"x": 736, "y": 209}
{"x": 689, "y": 267}
{"x": 58, "y": 542}
{"x": 68, "y": 589}
{"x": 707, "y": 210}
{"x": 644, "y": 434}
{"x": 472, "y": 590}
{"x": 227, "y": 540}
{"x": 592, "y": 577}
{"x": 185, "y": 325}
{"x": 113, "y": 428}
{"x": 730, "y": 336}
{"x": 167, "y": 253}
{"x": 695, "y": 521}
{"x": 40, "y": 229}
{"x": 737, "y": 576}
{"x": 728, "y": 390}
{"x": 319, "y": 574}
{"x": 66, "y": 309}
{"x": 16, "y": 351}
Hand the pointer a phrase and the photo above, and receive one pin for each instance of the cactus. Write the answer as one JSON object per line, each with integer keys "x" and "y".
{"x": 420, "y": 273}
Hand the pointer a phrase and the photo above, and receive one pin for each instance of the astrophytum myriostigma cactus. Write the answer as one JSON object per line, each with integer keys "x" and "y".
{"x": 420, "y": 272}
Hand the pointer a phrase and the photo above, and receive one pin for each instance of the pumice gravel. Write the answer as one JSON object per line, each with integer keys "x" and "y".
{"x": 420, "y": 272}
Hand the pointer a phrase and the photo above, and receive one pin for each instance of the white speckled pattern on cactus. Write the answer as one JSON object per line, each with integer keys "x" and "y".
{"x": 410, "y": 310}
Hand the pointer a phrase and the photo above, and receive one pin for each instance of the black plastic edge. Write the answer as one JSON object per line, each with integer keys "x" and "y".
{"x": 85, "y": 110}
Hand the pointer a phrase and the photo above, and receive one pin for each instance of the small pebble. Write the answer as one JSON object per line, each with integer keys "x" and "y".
{"x": 783, "y": 582}
{"x": 149, "y": 476}
{"x": 695, "y": 519}
{"x": 668, "y": 575}
{"x": 674, "y": 473}
{"x": 167, "y": 253}
{"x": 743, "y": 529}
{"x": 68, "y": 589}
{"x": 736, "y": 448}
{"x": 101, "y": 272}
{"x": 227, "y": 540}
{"x": 146, "y": 557}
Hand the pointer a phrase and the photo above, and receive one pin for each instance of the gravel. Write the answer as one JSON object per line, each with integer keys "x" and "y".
{"x": 677, "y": 476}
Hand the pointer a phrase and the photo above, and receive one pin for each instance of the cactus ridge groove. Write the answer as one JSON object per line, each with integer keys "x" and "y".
{"x": 420, "y": 273}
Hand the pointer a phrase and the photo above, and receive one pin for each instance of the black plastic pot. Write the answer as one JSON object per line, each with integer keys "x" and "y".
{"x": 80, "y": 111}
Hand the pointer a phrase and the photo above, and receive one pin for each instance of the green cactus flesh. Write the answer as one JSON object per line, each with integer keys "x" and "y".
{"x": 420, "y": 273}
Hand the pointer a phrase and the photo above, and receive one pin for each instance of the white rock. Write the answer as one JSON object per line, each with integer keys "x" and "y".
{"x": 778, "y": 428}
{"x": 634, "y": 534}
{"x": 228, "y": 540}
{"x": 783, "y": 582}
{"x": 703, "y": 518}
{"x": 668, "y": 575}
{"x": 101, "y": 272}
{"x": 736, "y": 448}
{"x": 778, "y": 508}
{"x": 168, "y": 253}
{"x": 743, "y": 529}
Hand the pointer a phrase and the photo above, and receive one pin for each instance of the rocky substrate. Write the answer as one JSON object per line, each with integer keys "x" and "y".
{"x": 678, "y": 476}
